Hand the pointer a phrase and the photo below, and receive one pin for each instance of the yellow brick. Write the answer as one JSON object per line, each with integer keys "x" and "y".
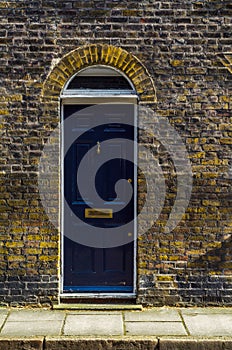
{"x": 33, "y": 251}
{"x": 209, "y": 175}
{"x": 179, "y": 244}
{"x": 224, "y": 98}
{"x": 174, "y": 258}
{"x": 32, "y": 140}
{"x": 196, "y": 252}
{"x": 165, "y": 278}
{"x": 35, "y": 216}
{"x": 17, "y": 203}
{"x": 34, "y": 237}
{"x": 48, "y": 245}
{"x": 14, "y": 98}
{"x": 226, "y": 265}
{"x": 4, "y": 4}
{"x": 181, "y": 98}
{"x": 15, "y": 258}
{"x": 164, "y": 250}
{"x": 48, "y": 258}
{"x": 196, "y": 140}
{"x": 196, "y": 210}
{"x": 214, "y": 245}
{"x": 177, "y": 63}
{"x": 4, "y": 111}
{"x": 214, "y": 161}
{"x": 130, "y": 12}
{"x": 226, "y": 141}
{"x": 191, "y": 85}
{"x": 212, "y": 203}
{"x": 197, "y": 106}
{"x": 198, "y": 155}
{"x": 163, "y": 257}
{"x": 14, "y": 244}
{"x": 211, "y": 148}
{"x": 178, "y": 121}
{"x": 197, "y": 238}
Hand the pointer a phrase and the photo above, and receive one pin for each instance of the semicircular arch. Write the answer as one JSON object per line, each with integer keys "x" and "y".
{"x": 95, "y": 54}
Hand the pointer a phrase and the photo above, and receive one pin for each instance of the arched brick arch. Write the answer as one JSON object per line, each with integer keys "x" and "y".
{"x": 99, "y": 54}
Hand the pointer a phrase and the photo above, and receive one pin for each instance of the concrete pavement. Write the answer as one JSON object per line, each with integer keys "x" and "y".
{"x": 157, "y": 328}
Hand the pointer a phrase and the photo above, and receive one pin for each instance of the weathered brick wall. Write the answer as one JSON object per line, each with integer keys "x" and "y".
{"x": 186, "y": 47}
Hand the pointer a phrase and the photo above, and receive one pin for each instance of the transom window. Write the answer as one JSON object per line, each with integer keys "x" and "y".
{"x": 98, "y": 79}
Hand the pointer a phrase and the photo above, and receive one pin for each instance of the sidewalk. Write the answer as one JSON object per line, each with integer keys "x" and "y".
{"x": 149, "y": 329}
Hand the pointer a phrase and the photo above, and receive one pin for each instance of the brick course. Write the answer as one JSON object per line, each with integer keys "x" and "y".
{"x": 183, "y": 50}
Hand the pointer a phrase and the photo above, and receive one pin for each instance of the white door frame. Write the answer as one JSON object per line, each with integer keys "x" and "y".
{"x": 93, "y": 99}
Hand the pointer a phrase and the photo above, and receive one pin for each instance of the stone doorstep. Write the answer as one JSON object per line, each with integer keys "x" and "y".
{"x": 125, "y": 343}
{"x": 101, "y": 307}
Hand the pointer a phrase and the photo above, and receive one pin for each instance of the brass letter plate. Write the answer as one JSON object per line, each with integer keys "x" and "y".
{"x": 95, "y": 213}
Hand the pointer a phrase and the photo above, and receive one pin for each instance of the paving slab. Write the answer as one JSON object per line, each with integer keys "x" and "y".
{"x": 31, "y": 328}
{"x": 207, "y": 322}
{"x": 95, "y": 344}
{"x": 3, "y": 310}
{"x": 33, "y": 323}
{"x": 159, "y": 315}
{"x": 155, "y": 328}
{"x": 206, "y": 310}
{"x": 35, "y": 315}
{"x": 3, "y": 315}
{"x": 106, "y": 325}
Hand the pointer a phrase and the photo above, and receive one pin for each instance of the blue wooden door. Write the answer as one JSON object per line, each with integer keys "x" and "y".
{"x": 88, "y": 268}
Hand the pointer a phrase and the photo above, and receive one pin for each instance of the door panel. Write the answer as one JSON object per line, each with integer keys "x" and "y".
{"x": 86, "y": 268}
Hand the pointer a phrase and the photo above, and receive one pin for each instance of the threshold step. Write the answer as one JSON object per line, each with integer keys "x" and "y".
{"x": 64, "y": 306}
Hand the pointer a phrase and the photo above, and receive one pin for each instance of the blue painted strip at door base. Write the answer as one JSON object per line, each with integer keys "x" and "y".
{"x": 113, "y": 289}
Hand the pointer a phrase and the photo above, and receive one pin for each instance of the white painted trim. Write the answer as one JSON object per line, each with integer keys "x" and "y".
{"x": 97, "y": 295}
{"x": 79, "y": 100}
{"x": 82, "y": 99}
{"x": 62, "y": 202}
{"x": 135, "y": 195}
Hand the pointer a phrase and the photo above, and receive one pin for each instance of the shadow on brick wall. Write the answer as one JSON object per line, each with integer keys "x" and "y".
{"x": 208, "y": 279}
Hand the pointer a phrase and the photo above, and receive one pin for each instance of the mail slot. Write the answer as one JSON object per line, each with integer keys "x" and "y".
{"x": 95, "y": 213}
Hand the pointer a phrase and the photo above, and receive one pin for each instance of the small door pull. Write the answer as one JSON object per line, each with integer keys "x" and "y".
{"x": 129, "y": 180}
{"x": 98, "y": 147}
